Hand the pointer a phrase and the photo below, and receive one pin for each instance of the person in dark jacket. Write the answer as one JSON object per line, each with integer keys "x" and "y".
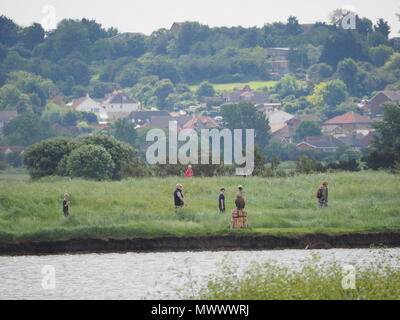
{"x": 179, "y": 200}
{"x": 66, "y": 205}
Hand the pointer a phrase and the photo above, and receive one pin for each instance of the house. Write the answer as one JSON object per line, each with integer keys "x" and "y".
{"x": 349, "y": 121}
{"x": 278, "y": 53}
{"x": 323, "y": 143}
{"x": 279, "y": 116}
{"x": 268, "y": 107}
{"x": 7, "y": 150}
{"x": 142, "y": 117}
{"x": 162, "y": 122}
{"x": 294, "y": 122}
{"x": 199, "y": 122}
{"x": 119, "y": 105}
{"x": 5, "y": 116}
{"x": 281, "y": 133}
{"x": 279, "y": 68}
{"x": 88, "y": 104}
{"x": 375, "y": 105}
{"x": 354, "y": 140}
{"x": 176, "y": 27}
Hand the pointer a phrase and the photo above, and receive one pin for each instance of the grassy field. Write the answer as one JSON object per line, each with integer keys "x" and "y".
{"x": 254, "y": 85}
{"x": 144, "y": 207}
{"x": 313, "y": 280}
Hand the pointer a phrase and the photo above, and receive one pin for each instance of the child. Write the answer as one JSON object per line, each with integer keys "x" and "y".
{"x": 65, "y": 205}
{"x": 221, "y": 200}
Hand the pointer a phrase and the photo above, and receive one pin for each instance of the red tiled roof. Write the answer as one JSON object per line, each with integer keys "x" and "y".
{"x": 349, "y": 117}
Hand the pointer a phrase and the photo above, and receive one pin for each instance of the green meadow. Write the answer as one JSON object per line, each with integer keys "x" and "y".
{"x": 254, "y": 85}
{"x": 32, "y": 210}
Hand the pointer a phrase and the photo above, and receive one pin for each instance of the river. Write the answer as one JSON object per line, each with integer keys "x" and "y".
{"x": 163, "y": 275}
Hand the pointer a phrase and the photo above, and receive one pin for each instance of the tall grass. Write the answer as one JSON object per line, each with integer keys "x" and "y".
{"x": 311, "y": 280}
{"x": 141, "y": 207}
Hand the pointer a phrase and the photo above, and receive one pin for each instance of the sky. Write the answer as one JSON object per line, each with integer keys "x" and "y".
{"x": 148, "y": 15}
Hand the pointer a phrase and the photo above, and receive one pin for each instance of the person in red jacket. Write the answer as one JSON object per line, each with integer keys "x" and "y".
{"x": 189, "y": 171}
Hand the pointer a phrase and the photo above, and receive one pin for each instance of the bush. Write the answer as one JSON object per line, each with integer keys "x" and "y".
{"x": 136, "y": 168}
{"x": 306, "y": 165}
{"x": 42, "y": 158}
{"x": 121, "y": 153}
{"x": 90, "y": 161}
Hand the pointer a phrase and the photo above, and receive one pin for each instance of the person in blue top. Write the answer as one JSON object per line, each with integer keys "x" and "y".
{"x": 221, "y": 200}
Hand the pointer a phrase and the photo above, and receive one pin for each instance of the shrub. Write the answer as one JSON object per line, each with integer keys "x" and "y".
{"x": 121, "y": 153}
{"x": 42, "y": 158}
{"x": 90, "y": 161}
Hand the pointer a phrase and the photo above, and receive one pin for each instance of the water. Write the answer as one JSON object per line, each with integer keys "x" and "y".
{"x": 144, "y": 275}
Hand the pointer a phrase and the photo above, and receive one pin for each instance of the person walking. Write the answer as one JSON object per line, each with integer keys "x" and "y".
{"x": 322, "y": 195}
{"x": 221, "y": 200}
{"x": 66, "y": 205}
{"x": 189, "y": 172}
{"x": 179, "y": 200}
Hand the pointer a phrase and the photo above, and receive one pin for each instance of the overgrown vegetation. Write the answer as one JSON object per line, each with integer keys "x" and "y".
{"x": 144, "y": 207}
{"x": 313, "y": 279}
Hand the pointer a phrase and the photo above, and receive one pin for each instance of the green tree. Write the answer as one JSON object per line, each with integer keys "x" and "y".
{"x": 245, "y": 116}
{"x": 27, "y": 129}
{"x": 293, "y": 27}
{"x": 348, "y": 72}
{"x": 91, "y": 162}
{"x": 124, "y": 130}
{"x": 42, "y": 158}
{"x": 121, "y": 153}
{"x": 32, "y": 36}
{"x": 8, "y": 31}
{"x": 307, "y": 128}
{"x": 335, "y": 92}
{"x": 382, "y": 27}
{"x": 163, "y": 88}
{"x": 205, "y": 90}
{"x": 380, "y": 54}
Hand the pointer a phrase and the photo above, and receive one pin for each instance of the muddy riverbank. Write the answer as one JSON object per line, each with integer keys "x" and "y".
{"x": 201, "y": 243}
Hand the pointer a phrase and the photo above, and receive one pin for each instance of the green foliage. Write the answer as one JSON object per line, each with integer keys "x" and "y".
{"x": 91, "y": 162}
{"x": 27, "y": 129}
{"x": 205, "y": 90}
{"x": 245, "y": 116}
{"x": 307, "y": 128}
{"x": 314, "y": 279}
{"x": 42, "y": 158}
{"x": 121, "y": 153}
{"x": 31, "y": 210}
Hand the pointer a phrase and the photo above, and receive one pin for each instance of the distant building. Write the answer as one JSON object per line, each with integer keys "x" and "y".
{"x": 324, "y": 143}
{"x": 90, "y": 105}
{"x": 375, "y": 105}
{"x": 119, "y": 105}
{"x": 278, "y": 53}
{"x": 5, "y": 116}
{"x": 294, "y": 122}
{"x": 280, "y": 67}
{"x": 278, "y": 117}
{"x": 355, "y": 140}
{"x": 142, "y": 117}
{"x": 349, "y": 121}
{"x": 199, "y": 122}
